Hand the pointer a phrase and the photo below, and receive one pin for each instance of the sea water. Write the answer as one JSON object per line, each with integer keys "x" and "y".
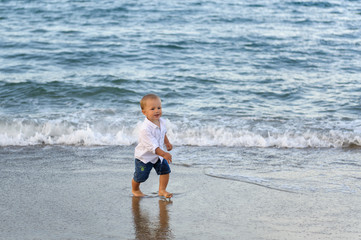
{"x": 265, "y": 92}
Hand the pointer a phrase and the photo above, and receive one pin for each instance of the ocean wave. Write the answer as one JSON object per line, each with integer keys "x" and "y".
{"x": 220, "y": 136}
{"x": 21, "y": 132}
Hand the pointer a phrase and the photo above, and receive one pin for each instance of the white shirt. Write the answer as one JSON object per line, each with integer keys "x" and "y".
{"x": 150, "y": 138}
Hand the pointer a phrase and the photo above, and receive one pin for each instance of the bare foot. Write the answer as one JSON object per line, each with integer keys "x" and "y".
{"x": 138, "y": 193}
{"x": 165, "y": 194}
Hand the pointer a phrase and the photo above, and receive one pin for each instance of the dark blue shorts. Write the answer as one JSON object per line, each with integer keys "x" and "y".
{"x": 142, "y": 170}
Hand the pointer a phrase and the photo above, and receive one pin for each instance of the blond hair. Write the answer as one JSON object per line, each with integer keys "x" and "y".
{"x": 146, "y": 98}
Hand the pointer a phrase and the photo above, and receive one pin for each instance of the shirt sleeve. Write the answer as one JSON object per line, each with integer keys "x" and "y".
{"x": 148, "y": 140}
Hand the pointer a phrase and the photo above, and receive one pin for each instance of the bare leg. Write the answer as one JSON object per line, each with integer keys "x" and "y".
{"x": 136, "y": 190}
{"x": 163, "y": 182}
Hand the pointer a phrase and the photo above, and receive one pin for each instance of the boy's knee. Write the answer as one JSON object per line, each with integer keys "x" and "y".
{"x": 140, "y": 178}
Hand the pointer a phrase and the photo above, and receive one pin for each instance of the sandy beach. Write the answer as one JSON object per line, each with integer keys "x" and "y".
{"x": 84, "y": 193}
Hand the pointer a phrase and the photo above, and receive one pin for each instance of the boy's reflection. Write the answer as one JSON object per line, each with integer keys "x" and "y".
{"x": 148, "y": 230}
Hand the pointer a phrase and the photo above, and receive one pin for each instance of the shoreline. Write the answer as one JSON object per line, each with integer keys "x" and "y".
{"x": 73, "y": 193}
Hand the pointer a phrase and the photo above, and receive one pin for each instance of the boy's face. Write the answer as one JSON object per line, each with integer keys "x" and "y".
{"x": 153, "y": 109}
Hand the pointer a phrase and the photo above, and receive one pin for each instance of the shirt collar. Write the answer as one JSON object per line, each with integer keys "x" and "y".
{"x": 151, "y": 124}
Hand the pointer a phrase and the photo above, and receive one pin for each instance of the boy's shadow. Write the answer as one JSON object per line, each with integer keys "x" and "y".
{"x": 148, "y": 230}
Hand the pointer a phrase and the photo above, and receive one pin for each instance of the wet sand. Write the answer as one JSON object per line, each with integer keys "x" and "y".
{"x": 80, "y": 193}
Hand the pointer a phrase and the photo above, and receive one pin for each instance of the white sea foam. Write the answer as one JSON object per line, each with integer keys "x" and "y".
{"x": 227, "y": 137}
{"x": 22, "y": 133}
{"x": 52, "y": 132}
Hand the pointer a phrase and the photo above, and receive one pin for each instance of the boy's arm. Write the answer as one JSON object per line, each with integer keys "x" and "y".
{"x": 167, "y": 143}
{"x": 164, "y": 154}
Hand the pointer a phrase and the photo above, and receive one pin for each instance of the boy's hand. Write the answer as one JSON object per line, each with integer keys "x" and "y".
{"x": 169, "y": 146}
{"x": 167, "y": 157}
{"x": 163, "y": 154}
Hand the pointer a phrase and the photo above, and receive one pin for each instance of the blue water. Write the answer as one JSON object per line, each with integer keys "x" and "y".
{"x": 230, "y": 73}
{"x": 271, "y": 86}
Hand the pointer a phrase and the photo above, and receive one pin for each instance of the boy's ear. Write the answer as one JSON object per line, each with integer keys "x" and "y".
{"x": 143, "y": 111}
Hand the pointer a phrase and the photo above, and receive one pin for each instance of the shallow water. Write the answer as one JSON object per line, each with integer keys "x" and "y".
{"x": 301, "y": 171}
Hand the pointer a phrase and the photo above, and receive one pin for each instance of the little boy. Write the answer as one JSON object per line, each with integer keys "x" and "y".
{"x": 149, "y": 152}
